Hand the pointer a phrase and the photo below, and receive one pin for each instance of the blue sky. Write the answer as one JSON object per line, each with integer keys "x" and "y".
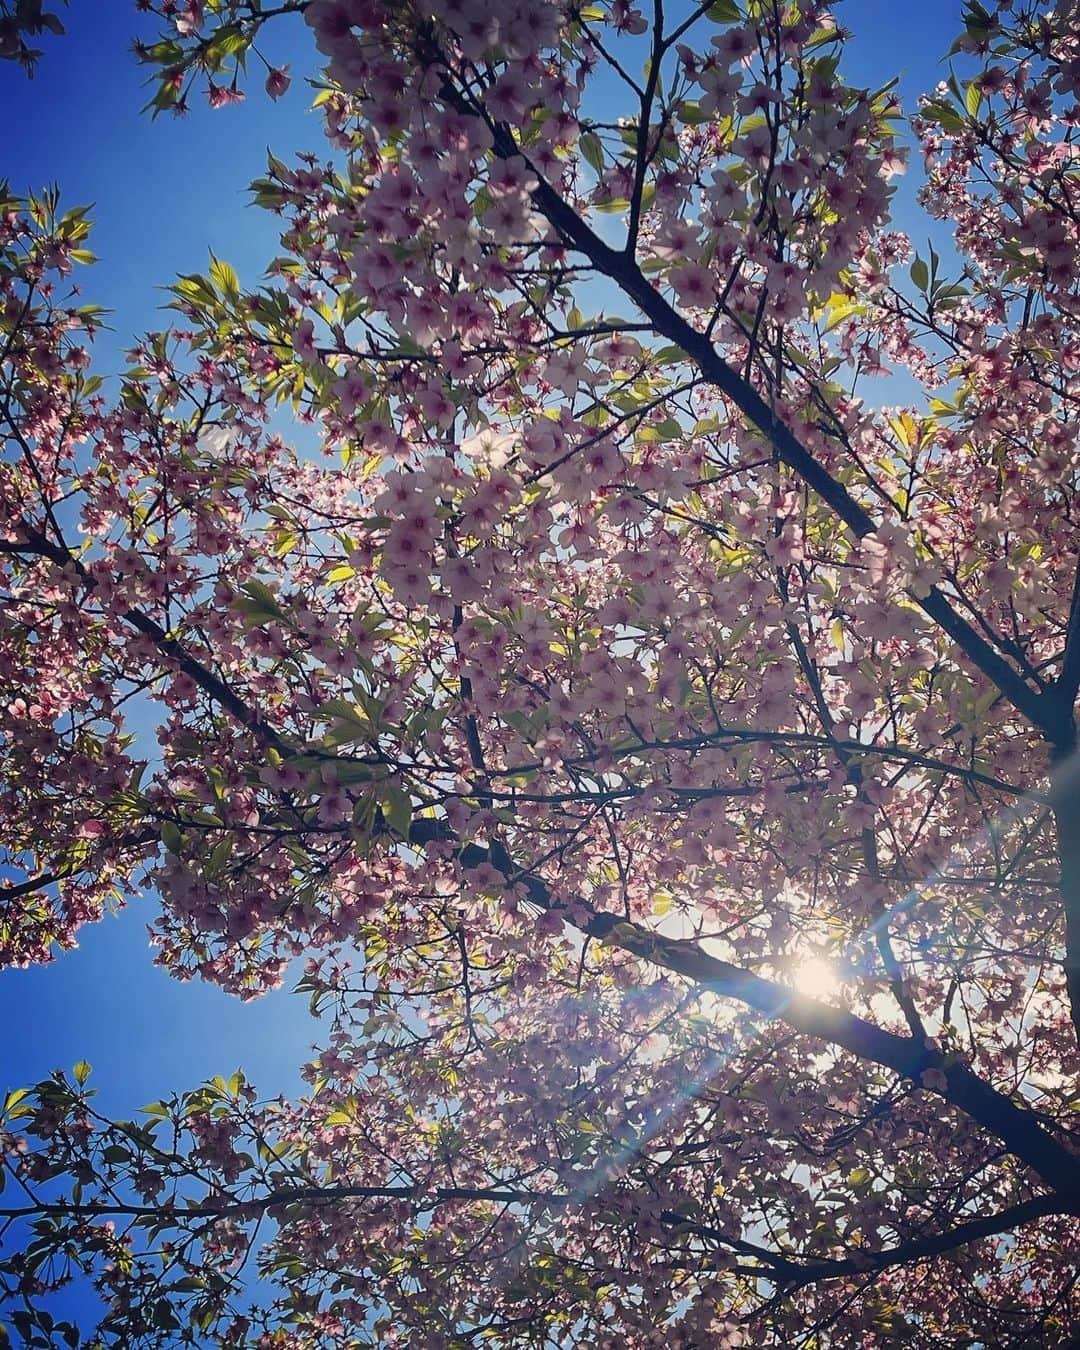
{"x": 165, "y": 190}
{"x": 165, "y": 193}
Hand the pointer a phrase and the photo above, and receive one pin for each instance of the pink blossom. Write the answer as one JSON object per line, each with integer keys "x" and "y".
{"x": 277, "y": 81}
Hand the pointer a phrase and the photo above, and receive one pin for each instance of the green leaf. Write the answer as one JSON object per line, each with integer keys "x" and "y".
{"x": 341, "y": 707}
{"x": 947, "y": 118}
{"x": 261, "y": 603}
{"x": 14, "y": 1097}
{"x": 195, "y": 289}
{"x": 230, "y": 39}
{"x": 397, "y": 809}
{"x": 346, "y": 733}
{"x": 905, "y": 430}
{"x": 690, "y": 113}
{"x": 224, "y": 278}
{"x": 81, "y": 1072}
{"x": 667, "y": 356}
{"x": 352, "y": 771}
{"x": 920, "y": 274}
{"x": 592, "y": 150}
{"x": 838, "y": 313}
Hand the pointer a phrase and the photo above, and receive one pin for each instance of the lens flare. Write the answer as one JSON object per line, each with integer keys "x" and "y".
{"x": 815, "y": 977}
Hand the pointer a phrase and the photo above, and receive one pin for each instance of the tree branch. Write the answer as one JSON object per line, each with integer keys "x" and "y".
{"x": 788, "y": 1269}
{"x": 38, "y": 544}
{"x": 1015, "y": 1126}
{"x": 794, "y": 1270}
{"x": 1068, "y": 682}
{"x": 624, "y": 271}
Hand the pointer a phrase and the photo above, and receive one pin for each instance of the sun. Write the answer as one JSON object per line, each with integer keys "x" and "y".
{"x": 815, "y": 977}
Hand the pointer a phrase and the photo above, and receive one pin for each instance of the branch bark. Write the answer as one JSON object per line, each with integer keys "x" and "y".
{"x": 1016, "y": 1127}
{"x": 789, "y": 1269}
{"x": 623, "y": 270}
{"x": 793, "y": 1272}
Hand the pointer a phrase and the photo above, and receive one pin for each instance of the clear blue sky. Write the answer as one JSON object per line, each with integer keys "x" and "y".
{"x": 165, "y": 193}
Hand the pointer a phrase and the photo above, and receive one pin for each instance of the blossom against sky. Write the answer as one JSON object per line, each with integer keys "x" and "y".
{"x": 165, "y": 193}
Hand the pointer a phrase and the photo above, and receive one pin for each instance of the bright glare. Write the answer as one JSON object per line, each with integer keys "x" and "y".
{"x": 815, "y": 978}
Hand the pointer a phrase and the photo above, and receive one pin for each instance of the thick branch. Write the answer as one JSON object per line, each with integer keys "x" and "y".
{"x": 37, "y": 544}
{"x": 427, "y": 1198}
{"x": 43, "y": 880}
{"x": 794, "y": 1269}
{"x": 624, "y": 271}
{"x": 1068, "y": 682}
{"x": 787, "y": 1268}
{"x": 1066, "y": 803}
{"x": 1016, "y": 1127}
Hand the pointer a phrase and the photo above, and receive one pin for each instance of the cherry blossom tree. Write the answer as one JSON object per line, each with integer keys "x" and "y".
{"x": 20, "y": 19}
{"x": 656, "y": 746}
